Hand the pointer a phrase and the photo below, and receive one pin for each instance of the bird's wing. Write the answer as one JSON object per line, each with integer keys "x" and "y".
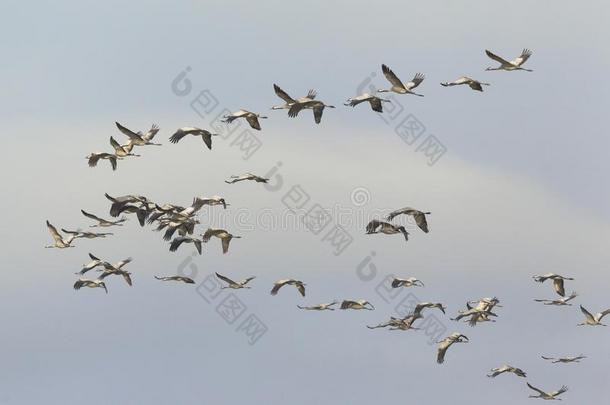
{"x": 175, "y": 244}
{"x": 56, "y": 236}
{"x": 276, "y": 287}
{"x": 225, "y": 244}
{"x": 88, "y": 215}
{"x": 150, "y": 134}
{"x": 93, "y": 159}
{"x": 117, "y": 147}
{"x": 372, "y": 226}
{"x": 179, "y": 134}
{"x": 311, "y": 94}
{"x": 392, "y": 78}
{"x": 113, "y": 161}
{"x": 301, "y": 288}
{"x": 420, "y": 220}
{"x": 560, "y": 391}
{"x": 375, "y": 103}
{"x": 548, "y": 358}
{"x": 536, "y": 389}
{"x": 282, "y": 94}
{"x": 225, "y": 279}
{"x": 197, "y": 243}
{"x": 295, "y": 109}
{"x": 602, "y": 314}
{"x": 558, "y": 284}
{"x": 246, "y": 281}
{"x": 207, "y": 139}
{"x": 253, "y": 121}
{"x": 404, "y": 232}
{"x": 317, "y": 113}
{"x": 127, "y": 277}
{"x": 475, "y": 85}
{"x": 521, "y": 59}
{"x": 497, "y": 58}
{"x": 127, "y": 131}
{"x": 416, "y": 81}
{"x": 122, "y": 263}
{"x": 442, "y": 349}
{"x": 588, "y": 314}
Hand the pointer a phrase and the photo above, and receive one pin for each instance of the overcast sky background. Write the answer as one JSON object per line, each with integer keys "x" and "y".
{"x": 522, "y": 190}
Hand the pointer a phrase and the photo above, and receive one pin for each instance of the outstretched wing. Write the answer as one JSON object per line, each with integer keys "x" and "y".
{"x": 91, "y": 216}
{"x": 225, "y": 279}
{"x": 392, "y": 78}
{"x": 179, "y": 134}
{"x": 282, "y": 94}
{"x": 54, "y": 234}
{"x": 535, "y": 389}
{"x": 588, "y": 314}
{"x": 372, "y": 226}
{"x": 603, "y": 313}
{"x": 416, "y": 81}
{"x": 420, "y": 220}
{"x": 301, "y": 288}
{"x": 497, "y": 58}
{"x": 127, "y": 131}
{"x": 253, "y": 121}
{"x": 521, "y": 59}
{"x": 558, "y": 284}
{"x": 442, "y": 349}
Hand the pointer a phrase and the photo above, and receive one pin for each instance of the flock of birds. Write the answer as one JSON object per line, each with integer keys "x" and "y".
{"x": 174, "y": 219}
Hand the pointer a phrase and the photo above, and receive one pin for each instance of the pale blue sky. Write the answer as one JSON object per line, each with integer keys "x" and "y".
{"x": 521, "y": 190}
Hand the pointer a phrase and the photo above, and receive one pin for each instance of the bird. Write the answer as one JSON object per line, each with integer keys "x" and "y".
{"x": 320, "y": 307}
{"x": 184, "y": 131}
{"x": 446, "y": 344}
{"x": 119, "y": 203}
{"x": 480, "y": 312}
{"x": 376, "y": 226}
{"x": 289, "y": 100}
{"x": 473, "y": 84}
{"x": 557, "y": 281}
{"x": 138, "y": 138}
{"x": 406, "y": 282}
{"x": 506, "y": 369}
{"x": 83, "y": 282}
{"x": 290, "y": 281}
{"x": 221, "y": 234}
{"x": 251, "y": 117}
{"x": 419, "y": 216}
{"x": 547, "y": 395}
{"x": 94, "y": 157}
{"x": 513, "y": 64}
{"x": 405, "y": 323}
{"x": 573, "y": 359}
{"x": 103, "y": 222}
{"x": 179, "y": 240}
{"x": 316, "y": 105}
{"x": 59, "y": 241}
{"x": 122, "y": 150}
{"x": 375, "y": 102}
{"x": 246, "y": 176}
{"x": 357, "y": 304}
{"x": 87, "y": 235}
{"x": 233, "y": 284}
{"x": 398, "y": 86}
{"x": 95, "y": 262}
{"x": 559, "y": 302}
{"x": 183, "y": 279}
{"x": 593, "y": 320}
{"x": 109, "y": 272}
